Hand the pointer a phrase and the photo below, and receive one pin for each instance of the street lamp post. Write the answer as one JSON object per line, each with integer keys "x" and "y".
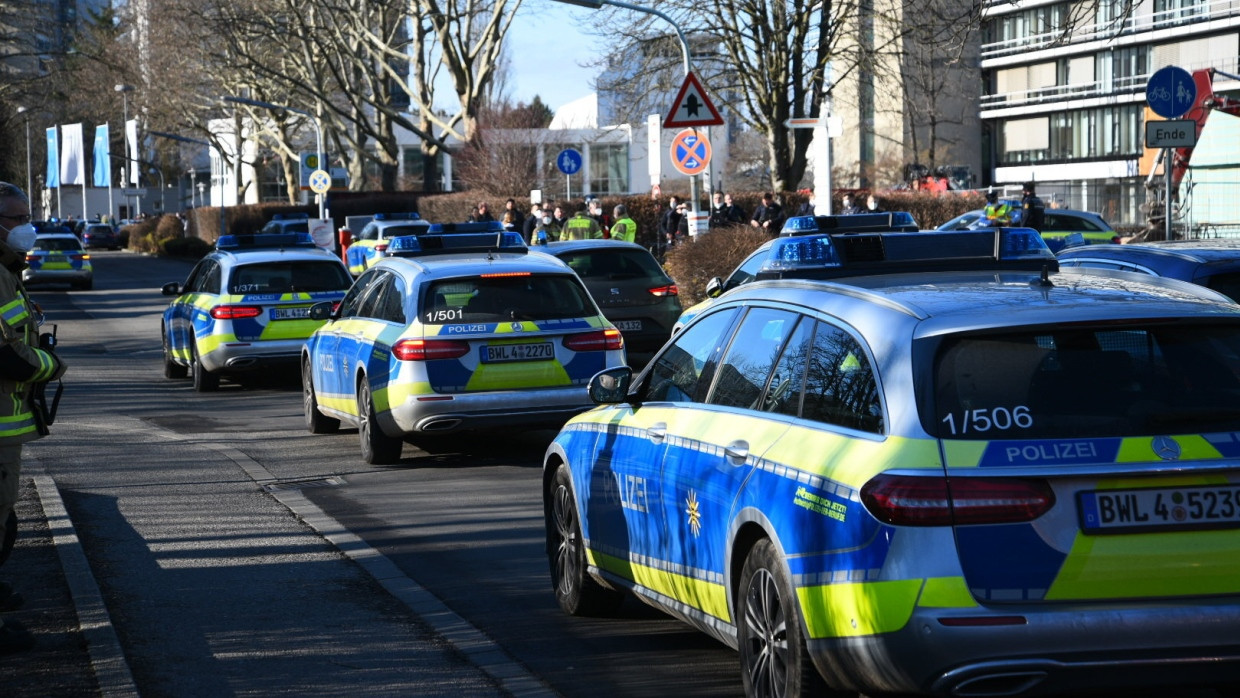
{"x": 196, "y": 141}
{"x": 29, "y": 182}
{"x": 318, "y": 132}
{"x": 684, "y": 50}
{"x": 130, "y": 172}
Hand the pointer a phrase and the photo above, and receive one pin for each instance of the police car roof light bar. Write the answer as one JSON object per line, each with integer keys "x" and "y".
{"x": 900, "y": 221}
{"x": 456, "y": 243}
{"x": 409, "y": 216}
{"x": 826, "y": 255}
{"x": 263, "y": 240}
{"x": 452, "y": 228}
{"x": 291, "y": 217}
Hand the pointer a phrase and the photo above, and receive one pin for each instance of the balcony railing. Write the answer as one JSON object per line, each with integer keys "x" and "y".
{"x": 1059, "y": 93}
{"x": 1136, "y": 24}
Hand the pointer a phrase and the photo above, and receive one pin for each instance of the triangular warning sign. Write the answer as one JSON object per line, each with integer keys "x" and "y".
{"x": 692, "y": 107}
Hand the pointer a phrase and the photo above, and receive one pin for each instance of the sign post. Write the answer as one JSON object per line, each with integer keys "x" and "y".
{"x": 692, "y": 108}
{"x": 569, "y": 161}
{"x": 1170, "y": 93}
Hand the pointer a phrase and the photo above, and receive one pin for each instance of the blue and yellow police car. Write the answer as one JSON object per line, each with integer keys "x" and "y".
{"x": 457, "y": 329}
{"x": 923, "y": 463}
{"x": 246, "y": 306}
{"x": 371, "y": 244}
{"x": 58, "y": 258}
{"x": 1213, "y": 263}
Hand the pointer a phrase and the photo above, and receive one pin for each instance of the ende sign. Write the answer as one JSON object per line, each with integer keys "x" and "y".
{"x": 1176, "y": 133}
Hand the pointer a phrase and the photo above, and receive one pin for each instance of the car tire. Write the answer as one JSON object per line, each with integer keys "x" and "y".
{"x": 377, "y": 448}
{"x": 316, "y": 422}
{"x": 577, "y": 592}
{"x": 85, "y": 285}
{"x": 172, "y": 369}
{"x": 204, "y": 380}
{"x": 774, "y": 658}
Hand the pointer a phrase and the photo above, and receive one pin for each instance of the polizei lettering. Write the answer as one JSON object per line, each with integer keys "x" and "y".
{"x": 1074, "y": 451}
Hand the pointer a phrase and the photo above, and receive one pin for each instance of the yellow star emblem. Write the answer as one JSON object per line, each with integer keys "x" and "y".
{"x": 694, "y": 512}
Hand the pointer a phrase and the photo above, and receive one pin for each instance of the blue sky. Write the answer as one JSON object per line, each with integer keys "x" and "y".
{"x": 547, "y": 43}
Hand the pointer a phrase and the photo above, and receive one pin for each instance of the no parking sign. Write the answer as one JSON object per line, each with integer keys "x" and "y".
{"x": 690, "y": 152}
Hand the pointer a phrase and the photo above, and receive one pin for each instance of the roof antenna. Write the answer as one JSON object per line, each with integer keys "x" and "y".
{"x": 1045, "y": 281}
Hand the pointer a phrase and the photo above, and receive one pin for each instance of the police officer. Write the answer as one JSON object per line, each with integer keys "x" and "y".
{"x": 581, "y": 226}
{"x": 997, "y": 213}
{"x": 22, "y": 366}
{"x": 624, "y": 228}
{"x": 1033, "y": 211}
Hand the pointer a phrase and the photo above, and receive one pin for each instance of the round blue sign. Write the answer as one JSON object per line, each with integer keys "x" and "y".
{"x": 569, "y": 161}
{"x": 1171, "y": 92}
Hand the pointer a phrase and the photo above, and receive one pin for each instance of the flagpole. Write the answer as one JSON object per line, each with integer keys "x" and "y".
{"x": 108, "y": 126}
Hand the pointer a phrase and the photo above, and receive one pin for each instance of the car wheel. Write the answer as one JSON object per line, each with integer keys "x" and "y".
{"x": 85, "y": 285}
{"x": 774, "y": 659}
{"x": 316, "y": 422}
{"x": 377, "y": 448}
{"x": 204, "y": 380}
{"x": 172, "y": 369}
{"x": 577, "y": 592}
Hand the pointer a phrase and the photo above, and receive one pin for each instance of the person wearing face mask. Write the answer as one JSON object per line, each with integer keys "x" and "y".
{"x": 872, "y": 205}
{"x": 22, "y": 366}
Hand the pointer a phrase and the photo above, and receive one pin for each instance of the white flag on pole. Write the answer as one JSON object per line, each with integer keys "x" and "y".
{"x": 72, "y": 155}
{"x": 131, "y": 147}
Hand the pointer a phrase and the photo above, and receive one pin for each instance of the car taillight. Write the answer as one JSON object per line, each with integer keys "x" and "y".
{"x": 429, "y": 349}
{"x": 79, "y": 257}
{"x": 381, "y": 247}
{"x": 602, "y": 340}
{"x": 909, "y": 500}
{"x": 669, "y": 290}
{"x": 235, "y": 312}
{"x": 31, "y": 257}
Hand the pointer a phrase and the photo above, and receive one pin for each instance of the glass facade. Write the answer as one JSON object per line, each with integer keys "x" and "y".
{"x": 1099, "y": 133}
{"x": 609, "y": 169}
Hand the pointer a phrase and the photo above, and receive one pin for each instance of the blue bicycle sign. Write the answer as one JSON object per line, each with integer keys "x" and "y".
{"x": 1171, "y": 92}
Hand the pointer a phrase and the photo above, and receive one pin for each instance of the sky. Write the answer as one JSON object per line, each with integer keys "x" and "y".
{"x": 547, "y": 46}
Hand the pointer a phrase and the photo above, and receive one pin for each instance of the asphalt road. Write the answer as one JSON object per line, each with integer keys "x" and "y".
{"x": 236, "y": 554}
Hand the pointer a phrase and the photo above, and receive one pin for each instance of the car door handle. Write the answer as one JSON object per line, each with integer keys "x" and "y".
{"x": 657, "y": 432}
{"x": 737, "y": 451}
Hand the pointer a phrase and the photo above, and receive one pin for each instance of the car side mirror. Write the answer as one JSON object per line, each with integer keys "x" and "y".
{"x": 714, "y": 287}
{"x": 610, "y": 386}
{"x": 323, "y": 311}
{"x": 171, "y": 289}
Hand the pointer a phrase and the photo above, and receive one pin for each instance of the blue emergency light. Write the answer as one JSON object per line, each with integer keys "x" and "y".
{"x": 858, "y": 223}
{"x": 455, "y": 228}
{"x": 264, "y": 240}
{"x": 291, "y": 217}
{"x": 410, "y": 216}
{"x": 824, "y": 255}
{"x": 457, "y": 243}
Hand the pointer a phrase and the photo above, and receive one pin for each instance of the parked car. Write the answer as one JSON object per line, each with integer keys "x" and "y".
{"x": 629, "y": 286}
{"x": 59, "y": 258}
{"x": 922, "y": 463}
{"x": 101, "y": 235}
{"x": 1211, "y": 263}
{"x": 1057, "y": 225}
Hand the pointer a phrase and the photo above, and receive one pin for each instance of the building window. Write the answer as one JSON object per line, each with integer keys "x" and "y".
{"x": 1033, "y": 25}
{"x": 609, "y": 169}
{"x": 1103, "y": 132}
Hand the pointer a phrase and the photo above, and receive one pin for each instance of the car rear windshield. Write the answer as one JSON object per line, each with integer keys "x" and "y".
{"x": 395, "y": 231}
{"x": 57, "y": 244}
{"x": 506, "y": 297}
{"x": 289, "y": 277}
{"x": 613, "y": 265}
{"x": 1135, "y": 380}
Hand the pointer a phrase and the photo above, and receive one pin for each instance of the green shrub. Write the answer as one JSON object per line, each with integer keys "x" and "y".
{"x": 190, "y": 248}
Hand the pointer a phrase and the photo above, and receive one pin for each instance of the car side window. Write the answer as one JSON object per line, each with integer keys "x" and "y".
{"x": 353, "y": 299}
{"x": 372, "y": 301}
{"x": 681, "y": 373}
{"x": 787, "y": 383}
{"x": 743, "y": 372}
{"x": 390, "y": 304}
{"x": 370, "y": 232}
{"x": 840, "y": 386}
{"x": 208, "y": 278}
{"x": 746, "y": 271}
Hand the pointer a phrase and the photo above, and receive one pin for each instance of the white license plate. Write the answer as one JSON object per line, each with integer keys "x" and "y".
{"x": 499, "y": 353}
{"x": 628, "y": 325}
{"x": 290, "y": 313}
{"x": 1106, "y": 511}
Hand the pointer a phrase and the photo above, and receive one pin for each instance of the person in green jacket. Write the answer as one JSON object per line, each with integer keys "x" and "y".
{"x": 624, "y": 228}
{"x": 23, "y": 366}
{"x": 581, "y": 226}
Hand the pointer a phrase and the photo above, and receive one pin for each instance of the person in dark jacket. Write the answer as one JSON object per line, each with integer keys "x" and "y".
{"x": 769, "y": 216}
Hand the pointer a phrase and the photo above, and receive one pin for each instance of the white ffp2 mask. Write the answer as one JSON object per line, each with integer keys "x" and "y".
{"x": 22, "y": 237}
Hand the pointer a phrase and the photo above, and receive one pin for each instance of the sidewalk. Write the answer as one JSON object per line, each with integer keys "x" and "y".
{"x": 61, "y": 663}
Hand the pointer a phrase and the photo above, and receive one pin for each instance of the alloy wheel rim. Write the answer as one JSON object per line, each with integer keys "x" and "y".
{"x": 766, "y": 636}
{"x": 566, "y": 552}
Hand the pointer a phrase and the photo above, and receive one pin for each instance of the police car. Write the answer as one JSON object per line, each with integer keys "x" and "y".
{"x": 246, "y": 306}
{"x": 457, "y": 329}
{"x": 1214, "y": 263}
{"x": 371, "y": 244}
{"x": 58, "y": 258}
{"x": 287, "y": 223}
{"x": 923, "y": 463}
